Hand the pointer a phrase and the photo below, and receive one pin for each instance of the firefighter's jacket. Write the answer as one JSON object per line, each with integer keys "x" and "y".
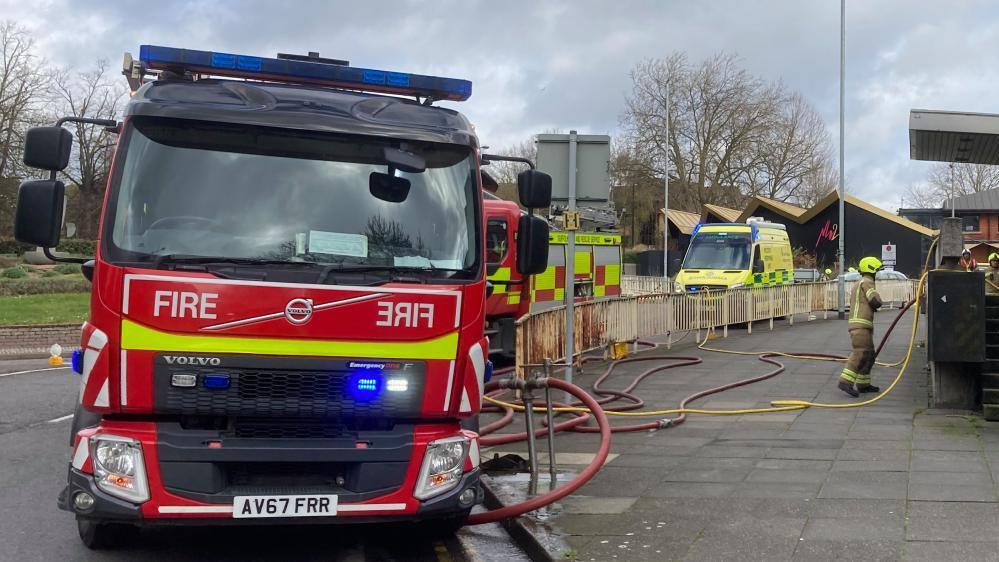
{"x": 864, "y": 301}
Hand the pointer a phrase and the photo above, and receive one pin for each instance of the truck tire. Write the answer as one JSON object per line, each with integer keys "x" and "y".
{"x": 97, "y": 535}
{"x": 82, "y": 419}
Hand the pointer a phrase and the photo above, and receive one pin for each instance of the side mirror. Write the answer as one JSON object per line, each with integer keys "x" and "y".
{"x": 388, "y": 188}
{"x": 532, "y": 245}
{"x": 534, "y": 189}
{"x": 39, "y": 212}
{"x": 676, "y": 264}
{"x": 47, "y": 148}
{"x": 758, "y": 266}
{"x": 488, "y": 183}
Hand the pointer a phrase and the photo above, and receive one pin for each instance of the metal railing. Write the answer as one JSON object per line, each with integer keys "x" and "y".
{"x": 630, "y": 318}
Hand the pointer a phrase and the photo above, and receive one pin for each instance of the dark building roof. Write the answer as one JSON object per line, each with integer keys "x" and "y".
{"x": 987, "y": 200}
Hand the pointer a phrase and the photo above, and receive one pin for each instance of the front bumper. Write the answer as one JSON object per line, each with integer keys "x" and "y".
{"x": 193, "y": 477}
{"x": 109, "y": 508}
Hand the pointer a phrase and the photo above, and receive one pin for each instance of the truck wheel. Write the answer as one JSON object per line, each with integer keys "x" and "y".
{"x": 82, "y": 419}
{"x": 97, "y": 535}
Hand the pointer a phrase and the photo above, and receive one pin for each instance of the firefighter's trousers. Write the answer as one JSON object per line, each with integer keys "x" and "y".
{"x": 858, "y": 366}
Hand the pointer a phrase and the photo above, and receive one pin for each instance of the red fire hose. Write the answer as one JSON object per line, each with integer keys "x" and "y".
{"x": 564, "y": 490}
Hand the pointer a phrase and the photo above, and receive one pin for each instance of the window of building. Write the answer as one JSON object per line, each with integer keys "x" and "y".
{"x": 970, "y": 223}
{"x": 496, "y": 240}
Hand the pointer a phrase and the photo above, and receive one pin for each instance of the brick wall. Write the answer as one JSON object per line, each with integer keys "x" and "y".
{"x": 42, "y": 335}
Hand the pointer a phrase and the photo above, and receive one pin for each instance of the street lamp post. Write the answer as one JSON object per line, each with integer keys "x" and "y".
{"x": 666, "y": 197}
{"x": 842, "y": 145}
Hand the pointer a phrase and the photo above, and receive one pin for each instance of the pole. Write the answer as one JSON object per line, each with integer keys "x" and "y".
{"x": 842, "y": 148}
{"x": 666, "y": 195}
{"x": 570, "y": 267}
{"x": 953, "y": 191}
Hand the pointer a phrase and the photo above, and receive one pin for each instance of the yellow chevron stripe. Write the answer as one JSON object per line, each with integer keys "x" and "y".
{"x": 138, "y": 337}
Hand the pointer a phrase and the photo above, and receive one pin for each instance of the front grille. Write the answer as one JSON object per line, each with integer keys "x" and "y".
{"x": 706, "y": 288}
{"x": 285, "y": 388}
{"x": 298, "y": 429}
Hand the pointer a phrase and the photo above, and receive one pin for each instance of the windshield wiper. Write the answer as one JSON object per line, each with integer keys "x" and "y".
{"x": 175, "y": 259}
{"x": 399, "y": 274}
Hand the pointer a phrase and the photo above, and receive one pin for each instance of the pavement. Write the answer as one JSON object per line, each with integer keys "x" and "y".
{"x": 35, "y": 411}
{"x": 890, "y": 481}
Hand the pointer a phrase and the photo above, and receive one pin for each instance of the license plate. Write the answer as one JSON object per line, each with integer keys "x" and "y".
{"x": 284, "y": 506}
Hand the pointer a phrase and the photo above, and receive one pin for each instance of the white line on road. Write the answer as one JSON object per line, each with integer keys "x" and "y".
{"x": 60, "y": 418}
{"x": 33, "y": 371}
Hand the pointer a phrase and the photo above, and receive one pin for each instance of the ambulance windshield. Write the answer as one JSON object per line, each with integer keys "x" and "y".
{"x": 718, "y": 250}
{"x": 273, "y": 196}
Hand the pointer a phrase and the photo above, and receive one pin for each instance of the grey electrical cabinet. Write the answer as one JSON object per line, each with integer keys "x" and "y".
{"x": 592, "y": 166}
{"x": 956, "y": 316}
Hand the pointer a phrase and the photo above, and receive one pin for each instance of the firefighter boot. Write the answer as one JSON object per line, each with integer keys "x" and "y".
{"x": 847, "y": 387}
{"x": 868, "y": 388}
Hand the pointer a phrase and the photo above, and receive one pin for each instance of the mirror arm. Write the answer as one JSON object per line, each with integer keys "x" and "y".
{"x": 498, "y": 158}
{"x": 48, "y": 253}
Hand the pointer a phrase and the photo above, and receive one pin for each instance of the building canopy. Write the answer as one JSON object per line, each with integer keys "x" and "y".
{"x": 951, "y": 136}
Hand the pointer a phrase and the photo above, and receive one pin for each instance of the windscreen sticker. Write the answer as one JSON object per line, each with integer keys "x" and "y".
{"x": 338, "y": 243}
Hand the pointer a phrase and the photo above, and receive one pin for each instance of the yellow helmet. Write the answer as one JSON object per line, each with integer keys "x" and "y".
{"x": 870, "y": 264}
{"x": 993, "y": 256}
{"x": 828, "y": 271}
{"x": 852, "y": 269}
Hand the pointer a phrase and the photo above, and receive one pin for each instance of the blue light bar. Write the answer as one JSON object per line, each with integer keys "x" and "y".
{"x": 304, "y": 72}
{"x": 364, "y": 386}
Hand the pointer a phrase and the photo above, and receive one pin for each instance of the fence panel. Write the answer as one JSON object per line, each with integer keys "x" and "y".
{"x": 645, "y": 314}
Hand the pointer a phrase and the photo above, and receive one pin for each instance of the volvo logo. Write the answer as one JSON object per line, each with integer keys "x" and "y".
{"x": 298, "y": 311}
{"x": 182, "y": 360}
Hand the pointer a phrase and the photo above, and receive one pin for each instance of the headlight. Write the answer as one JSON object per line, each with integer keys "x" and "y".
{"x": 442, "y": 467}
{"x": 118, "y": 467}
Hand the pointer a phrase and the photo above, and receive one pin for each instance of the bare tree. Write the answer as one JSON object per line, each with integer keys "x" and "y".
{"x": 967, "y": 179}
{"x": 90, "y": 94}
{"x": 921, "y": 195}
{"x": 730, "y": 134}
{"x": 823, "y": 178}
{"x": 22, "y": 83}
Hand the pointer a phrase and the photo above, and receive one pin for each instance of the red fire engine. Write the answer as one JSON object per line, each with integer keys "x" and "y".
{"x": 288, "y": 296}
{"x": 597, "y": 272}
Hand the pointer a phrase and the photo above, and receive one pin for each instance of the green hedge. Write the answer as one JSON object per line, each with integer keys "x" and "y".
{"x": 78, "y": 247}
{"x": 44, "y": 285}
{"x": 72, "y": 246}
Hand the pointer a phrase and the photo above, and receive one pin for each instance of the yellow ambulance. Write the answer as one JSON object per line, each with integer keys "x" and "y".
{"x": 731, "y": 255}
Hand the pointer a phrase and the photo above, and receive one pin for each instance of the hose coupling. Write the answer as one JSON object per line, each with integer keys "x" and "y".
{"x": 665, "y": 423}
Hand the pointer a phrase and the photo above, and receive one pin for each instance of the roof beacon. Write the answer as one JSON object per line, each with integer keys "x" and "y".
{"x": 296, "y": 69}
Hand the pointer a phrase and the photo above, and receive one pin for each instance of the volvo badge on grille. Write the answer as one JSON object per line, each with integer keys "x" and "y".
{"x": 298, "y": 311}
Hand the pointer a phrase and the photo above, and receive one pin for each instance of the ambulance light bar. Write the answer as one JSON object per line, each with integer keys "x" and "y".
{"x": 153, "y": 57}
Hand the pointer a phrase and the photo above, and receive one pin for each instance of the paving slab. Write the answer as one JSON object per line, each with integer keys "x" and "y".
{"x": 891, "y": 481}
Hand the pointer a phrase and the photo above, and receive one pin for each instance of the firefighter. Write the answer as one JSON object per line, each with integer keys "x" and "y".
{"x": 967, "y": 262}
{"x": 992, "y": 277}
{"x": 827, "y": 274}
{"x": 864, "y": 301}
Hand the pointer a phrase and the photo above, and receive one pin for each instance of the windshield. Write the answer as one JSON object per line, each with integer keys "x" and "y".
{"x": 191, "y": 189}
{"x": 718, "y": 250}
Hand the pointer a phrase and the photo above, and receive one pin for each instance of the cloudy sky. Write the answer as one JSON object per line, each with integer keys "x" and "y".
{"x": 536, "y": 65}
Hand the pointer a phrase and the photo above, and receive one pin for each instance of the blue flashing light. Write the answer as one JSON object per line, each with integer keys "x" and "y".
{"x": 697, "y": 228}
{"x": 216, "y": 381}
{"x": 77, "y": 361}
{"x": 364, "y": 386}
{"x": 298, "y": 71}
{"x": 488, "y": 372}
{"x": 755, "y": 230}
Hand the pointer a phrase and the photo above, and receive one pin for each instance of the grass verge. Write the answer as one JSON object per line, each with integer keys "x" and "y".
{"x": 55, "y": 308}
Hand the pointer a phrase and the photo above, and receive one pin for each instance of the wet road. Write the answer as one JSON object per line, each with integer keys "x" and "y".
{"x": 35, "y": 409}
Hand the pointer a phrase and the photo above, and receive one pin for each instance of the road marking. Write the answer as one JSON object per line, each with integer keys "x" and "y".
{"x": 60, "y": 418}
{"x": 33, "y": 371}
